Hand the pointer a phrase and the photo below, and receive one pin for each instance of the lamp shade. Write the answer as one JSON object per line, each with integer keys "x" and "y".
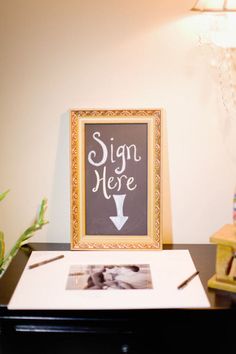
{"x": 215, "y": 6}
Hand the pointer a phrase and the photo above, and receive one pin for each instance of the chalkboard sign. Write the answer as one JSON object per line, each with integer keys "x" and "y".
{"x": 115, "y": 179}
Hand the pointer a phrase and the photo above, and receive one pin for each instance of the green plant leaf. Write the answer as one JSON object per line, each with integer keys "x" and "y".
{"x": 37, "y": 225}
{"x": 4, "y": 194}
{"x": 42, "y": 211}
{"x": 2, "y": 247}
{"x": 29, "y": 232}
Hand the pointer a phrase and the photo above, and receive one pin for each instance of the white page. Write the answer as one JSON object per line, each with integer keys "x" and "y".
{"x": 44, "y": 287}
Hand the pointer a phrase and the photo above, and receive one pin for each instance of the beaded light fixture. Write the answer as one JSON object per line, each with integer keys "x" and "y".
{"x": 215, "y": 6}
{"x": 225, "y": 238}
{"x": 218, "y": 35}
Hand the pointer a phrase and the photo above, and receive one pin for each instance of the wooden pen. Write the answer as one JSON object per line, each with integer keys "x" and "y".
{"x": 186, "y": 281}
{"x": 45, "y": 261}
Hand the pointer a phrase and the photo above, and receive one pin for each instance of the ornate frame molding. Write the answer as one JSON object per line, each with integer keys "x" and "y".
{"x": 80, "y": 241}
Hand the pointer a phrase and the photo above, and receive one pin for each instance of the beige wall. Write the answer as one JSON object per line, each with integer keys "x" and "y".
{"x": 61, "y": 54}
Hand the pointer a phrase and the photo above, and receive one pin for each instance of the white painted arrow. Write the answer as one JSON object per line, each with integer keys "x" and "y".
{"x": 120, "y": 219}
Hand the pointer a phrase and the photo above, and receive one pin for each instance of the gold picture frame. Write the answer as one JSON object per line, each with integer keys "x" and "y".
{"x": 116, "y": 179}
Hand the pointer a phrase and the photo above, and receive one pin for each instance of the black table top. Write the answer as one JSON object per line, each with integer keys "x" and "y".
{"x": 203, "y": 256}
{"x": 118, "y": 331}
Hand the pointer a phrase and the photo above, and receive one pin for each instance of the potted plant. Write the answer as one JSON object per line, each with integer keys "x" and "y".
{"x": 23, "y": 239}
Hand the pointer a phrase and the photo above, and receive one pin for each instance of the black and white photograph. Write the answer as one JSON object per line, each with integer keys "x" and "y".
{"x": 109, "y": 277}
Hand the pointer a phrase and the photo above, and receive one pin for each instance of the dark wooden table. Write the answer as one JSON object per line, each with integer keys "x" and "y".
{"x": 118, "y": 331}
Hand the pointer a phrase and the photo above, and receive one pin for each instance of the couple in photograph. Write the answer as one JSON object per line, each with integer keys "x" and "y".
{"x": 118, "y": 277}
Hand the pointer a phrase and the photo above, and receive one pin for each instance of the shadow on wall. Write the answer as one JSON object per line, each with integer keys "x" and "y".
{"x": 59, "y": 217}
{"x": 167, "y": 233}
